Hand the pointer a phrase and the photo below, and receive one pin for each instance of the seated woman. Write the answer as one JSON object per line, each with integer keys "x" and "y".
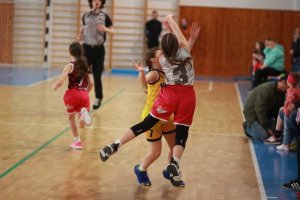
{"x": 273, "y": 63}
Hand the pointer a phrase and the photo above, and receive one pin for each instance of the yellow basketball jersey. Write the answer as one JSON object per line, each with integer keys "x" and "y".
{"x": 153, "y": 90}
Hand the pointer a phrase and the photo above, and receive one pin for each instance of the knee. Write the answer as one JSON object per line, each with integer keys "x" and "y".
{"x": 181, "y": 135}
{"x": 181, "y": 140}
{"x": 155, "y": 154}
{"x": 71, "y": 117}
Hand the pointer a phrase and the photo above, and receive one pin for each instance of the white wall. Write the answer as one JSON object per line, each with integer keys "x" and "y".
{"x": 255, "y": 4}
{"x": 297, "y": 4}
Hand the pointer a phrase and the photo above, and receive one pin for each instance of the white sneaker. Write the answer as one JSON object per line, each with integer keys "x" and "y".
{"x": 283, "y": 147}
{"x": 85, "y": 116}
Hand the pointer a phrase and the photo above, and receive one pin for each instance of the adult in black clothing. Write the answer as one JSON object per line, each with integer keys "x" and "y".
{"x": 153, "y": 29}
{"x": 96, "y": 24}
{"x": 295, "y": 51}
{"x": 295, "y": 121}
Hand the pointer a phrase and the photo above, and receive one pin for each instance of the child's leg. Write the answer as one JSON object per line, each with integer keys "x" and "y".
{"x": 77, "y": 142}
{"x": 153, "y": 154}
{"x": 73, "y": 125}
{"x": 170, "y": 139}
{"x": 180, "y": 141}
{"x": 131, "y": 133}
{"x": 279, "y": 123}
{"x": 173, "y": 168}
{"x": 84, "y": 117}
{"x": 287, "y": 134}
{"x": 81, "y": 123}
{"x": 137, "y": 129}
{"x": 141, "y": 170}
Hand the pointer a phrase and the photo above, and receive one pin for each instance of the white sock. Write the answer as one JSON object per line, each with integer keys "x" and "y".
{"x": 96, "y": 102}
{"x": 77, "y": 139}
{"x": 118, "y": 142}
{"x": 176, "y": 159}
{"x": 141, "y": 168}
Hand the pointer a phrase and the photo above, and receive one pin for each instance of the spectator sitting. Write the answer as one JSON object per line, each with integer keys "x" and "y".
{"x": 295, "y": 51}
{"x": 261, "y": 108}
{"x": 258, "y": 57}
{"x": 273, "y": 63}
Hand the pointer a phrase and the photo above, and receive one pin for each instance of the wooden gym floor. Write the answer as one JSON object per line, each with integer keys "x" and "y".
{"x": 37, "y": 163}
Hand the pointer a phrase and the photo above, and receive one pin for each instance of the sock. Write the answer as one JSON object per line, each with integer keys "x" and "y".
{"x": 77, "y": 139}
{"x": 175, "y": 160}
{"x": 141, "y": 168}
{"x": 116, "y": 145}
{"x": 277, "y": 133}
{"x": 118, "y": 142}
{"x": 96, "y": 102}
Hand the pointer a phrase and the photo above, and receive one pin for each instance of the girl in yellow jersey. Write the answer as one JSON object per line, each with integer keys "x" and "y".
{"x": 152, "y": 82}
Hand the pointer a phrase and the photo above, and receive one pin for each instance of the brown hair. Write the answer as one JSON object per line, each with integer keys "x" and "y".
{"x": 91, "y": 3}
{"x": 150, "y": 54}
{"x": 75, "y": 50}
{"x": 170, "y": 46}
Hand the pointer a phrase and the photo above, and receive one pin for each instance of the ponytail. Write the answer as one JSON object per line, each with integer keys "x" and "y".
{"x": 83, "y": 67}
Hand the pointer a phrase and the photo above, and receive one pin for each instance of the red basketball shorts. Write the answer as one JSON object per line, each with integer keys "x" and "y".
{"x": 76, "y": 99}
{"x": 177, "y": 99}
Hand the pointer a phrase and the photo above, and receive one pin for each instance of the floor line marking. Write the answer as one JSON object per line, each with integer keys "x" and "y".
{"x": 45, "y": 80}
{"x": 20, "y": 162}
{"x": 253, "y": 154}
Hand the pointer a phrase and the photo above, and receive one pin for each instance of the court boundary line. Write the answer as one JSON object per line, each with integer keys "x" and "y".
{"x": 194, "y": 131}
{"x": 260, "y": 183}
{"x": 46, "y": 80}
{"x": 27, "y": 157}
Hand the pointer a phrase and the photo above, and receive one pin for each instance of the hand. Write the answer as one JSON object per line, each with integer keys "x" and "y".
{"x": 195, "y": 30}
{"x": 170, "y": 16}
{"x": 166, "y": 25}
{"x": 53, "y": 87}
{"x": 101, "y": 28}
{"x": 138, "y": 66}
{"x": 79, "y": 37}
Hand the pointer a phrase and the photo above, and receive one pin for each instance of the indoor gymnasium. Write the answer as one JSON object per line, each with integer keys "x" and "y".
{"x": 149, "y": 99}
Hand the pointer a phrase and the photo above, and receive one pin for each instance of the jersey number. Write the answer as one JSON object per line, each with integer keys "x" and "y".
{"x": 183, "y": 78}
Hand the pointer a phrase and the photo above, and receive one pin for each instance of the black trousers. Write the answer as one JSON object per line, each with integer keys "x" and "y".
{"x": 95, "y": 56}
{"x": 261, "y": 75}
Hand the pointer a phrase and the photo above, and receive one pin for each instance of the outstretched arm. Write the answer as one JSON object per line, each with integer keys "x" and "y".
{"x": 176, "y": 30}
{"x": 62, "y": 77}
{"x": 142, "y": 77}
{"x": 194, "y": 33}
{"x": 150, "y": 77}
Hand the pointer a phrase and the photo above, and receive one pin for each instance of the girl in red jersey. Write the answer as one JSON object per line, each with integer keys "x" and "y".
{"x": 76, "y": 98}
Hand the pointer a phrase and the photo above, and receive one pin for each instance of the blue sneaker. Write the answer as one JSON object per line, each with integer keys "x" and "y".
{"x": 166, "y": 174}
{"x": 142, "y": 176}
